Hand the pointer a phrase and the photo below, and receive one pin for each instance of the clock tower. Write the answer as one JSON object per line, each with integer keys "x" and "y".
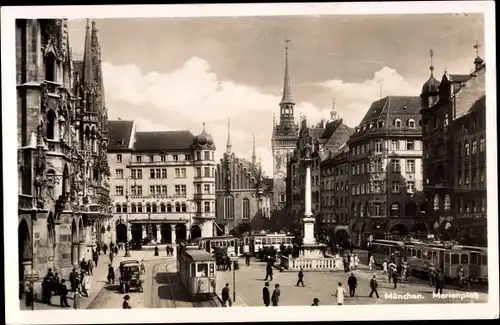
{"x": 284, "y": 138}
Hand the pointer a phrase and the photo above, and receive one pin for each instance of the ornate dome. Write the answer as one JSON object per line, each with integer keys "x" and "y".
{"x": 431, "y": 85}
{"x": 204, "y": 138}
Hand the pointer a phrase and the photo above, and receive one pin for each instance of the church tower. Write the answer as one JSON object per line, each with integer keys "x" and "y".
{"x": 284, "y": 138}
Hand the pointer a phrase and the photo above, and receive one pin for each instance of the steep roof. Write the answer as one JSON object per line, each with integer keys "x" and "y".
{"x": 478, "y": 104}
{"x": 120, "y": 133}
{"x": 394, "y": 105}
{"x": 163, "y": 141}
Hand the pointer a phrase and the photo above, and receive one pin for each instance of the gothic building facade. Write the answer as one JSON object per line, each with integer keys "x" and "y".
{"x": 244, "y": 196}
{"x": 64, "y": 206}
{"x": 454, "y": 151}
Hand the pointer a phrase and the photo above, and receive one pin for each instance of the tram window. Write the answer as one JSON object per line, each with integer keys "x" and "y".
{"x": 258, "y": 241}
{"x": 231, "y": 243}
{"x": 464, "y": 258}
{"x": 419, "y": 254}
{"x": 224, "y": 243}
{"x": 288, "y": 240}
{"x": 273, "y": 241}
{"x": 455, "y": 259}
{"x": 473, "y": 259}
{"x": 212, "y": 269}
{"x": 202, "y": 269}
{"x": 193, "y": 269}
{"x": 447, "y": 258}
{"x": 424, "y": 255}
{"x": 484, "y": 259}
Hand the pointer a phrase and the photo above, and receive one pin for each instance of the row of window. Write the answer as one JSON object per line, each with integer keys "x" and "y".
{"x": 333, "y": 201}
{"x": 336, "y": 171}
{"x": 378, "y": 146}
{"x": 331, "y": 185}
{"x": 300, "y": 181}
{"x": 464, "y": 149}
{"x": 162, "y": 207}
{"x": 207, "y": 155}
{"x": 471, "y": 205}
{"x": 161, "y": 173}
{"x": 341, "y": 218}
{"x": 378, "y": 187}
{"x": 410, "y": 123}
{"x": 463, "y": 177}
{"x": 136, "y": 190}
{"x": 377, "y": 166}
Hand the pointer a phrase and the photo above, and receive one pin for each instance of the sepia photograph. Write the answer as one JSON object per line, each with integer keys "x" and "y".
{"x": 258, "y": 155}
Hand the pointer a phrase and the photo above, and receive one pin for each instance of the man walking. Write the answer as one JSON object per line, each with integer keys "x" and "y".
{"x": 276, "y": 295}
{"x": 373, "y": 286}
{"x": 439, "y": 282}
{"x": 266, "y": 295}
{"x": 432, "y": 275}
{"x": 301, "y": 278}
{"x": 91, "y": 266}
{"x": 73, "y": 279}
{"x": 225, "y": 296}
{"x": 340, "y": 293}
{"x": 395, "y": 278}
{"x": 352, "y": 282}
{"x": 269, "y": 271}
{"x": 63, "y": 293}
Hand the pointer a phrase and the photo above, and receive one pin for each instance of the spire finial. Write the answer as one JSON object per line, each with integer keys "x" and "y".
{"x": 333, "y": 113}
{"x": 93, "y": 25}
{"x": 477, "y": 46}
{"x": 228, "y": 145}
{"x": 254, "y": 157}
{"x": 287, "y": 89}
{"x": 431, "y": 54}
{"x": 203, "y": 126}
{"x": 88, "y": 24}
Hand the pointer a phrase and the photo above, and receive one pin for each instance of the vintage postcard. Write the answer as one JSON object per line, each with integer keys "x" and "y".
{"x": 332, "y": 155}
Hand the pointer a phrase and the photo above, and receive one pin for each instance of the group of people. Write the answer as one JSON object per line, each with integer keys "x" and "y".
{"x": 436, "y": 278}
{"x": 350, "y": 261}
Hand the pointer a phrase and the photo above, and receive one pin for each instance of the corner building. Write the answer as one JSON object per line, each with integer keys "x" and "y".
{"x": 454, "y": 170}
{"x": 385, "y": 161}
{"x": 63, "y": 173}
{"x": 163, "y": 184}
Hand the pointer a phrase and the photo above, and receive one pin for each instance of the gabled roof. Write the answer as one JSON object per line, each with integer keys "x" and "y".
{"x": 478, "y": 104}
{"x": 120, "y": 133}
{"x": 164, "y": 141}
{"x": 394, "y": 105}
{"x": 458, "y": 78}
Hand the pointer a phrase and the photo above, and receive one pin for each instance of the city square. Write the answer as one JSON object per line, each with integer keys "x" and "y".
{"x": 185, "y": 179}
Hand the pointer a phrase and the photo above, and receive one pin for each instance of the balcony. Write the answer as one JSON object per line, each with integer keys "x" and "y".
{"x": 159, "y": 163}
{"x": 204, "y": 215}
{"x": 90, "y": 117}
{"x": 204, "y": 196}
{"x": 158, "y": 197}
{"x": 157, "y": 217}
{"x": 203, "y": 179}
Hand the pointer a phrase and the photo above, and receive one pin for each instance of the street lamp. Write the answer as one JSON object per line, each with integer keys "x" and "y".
{"x": 127, "y": 252}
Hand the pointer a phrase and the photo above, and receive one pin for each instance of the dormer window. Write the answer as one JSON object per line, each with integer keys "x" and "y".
{"x": 380, "y": 124}
{"x": 411, "y": 123}
{"x": 397, "y": 123}
{"x": 119, "y": 142}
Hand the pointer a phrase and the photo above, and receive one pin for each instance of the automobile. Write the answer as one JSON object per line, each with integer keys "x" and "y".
{"x": 130, "y": 276}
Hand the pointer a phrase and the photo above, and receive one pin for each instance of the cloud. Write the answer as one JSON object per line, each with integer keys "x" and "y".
{"x": 193, "y": 94}
{"x": 354, "y": 99}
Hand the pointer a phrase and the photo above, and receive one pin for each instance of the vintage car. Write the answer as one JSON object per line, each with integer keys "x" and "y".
{"x": 130, "y": 276}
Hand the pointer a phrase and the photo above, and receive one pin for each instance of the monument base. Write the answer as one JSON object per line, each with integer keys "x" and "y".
{"x": 312, "y": 250}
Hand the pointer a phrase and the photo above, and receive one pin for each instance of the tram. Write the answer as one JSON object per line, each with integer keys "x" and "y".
{"x": 197, "y": 271}
{"x": 421, "y": 255}
{"x": 226, "y": 242}
{"x": 478, "y": 263}
{"x": 383, "y": 249}
{"x": 275, "y": 240}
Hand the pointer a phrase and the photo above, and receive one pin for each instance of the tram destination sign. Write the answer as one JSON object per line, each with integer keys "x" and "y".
{"x": 31, "y": 275}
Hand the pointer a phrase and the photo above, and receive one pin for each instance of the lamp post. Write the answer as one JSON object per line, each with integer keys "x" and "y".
{"x": 127, "y": 252}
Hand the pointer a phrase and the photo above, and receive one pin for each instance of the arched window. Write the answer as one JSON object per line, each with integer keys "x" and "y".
{"x": 155, "y": 209}
{"x": 397, "y": 123}
{"x": 436, "y": 202}
{"x": 139, "y": 207}
{"x": 411, "y": 123}
{"x": 133, "y": 208}
{"x": 162, "y": 207}
{"x": 51, "y": 125}
{"x": 148, "y": 207}
{"x": 169, "y": 207}
{"x": 183, "y": 207}
{"x": 229, "y": 207}
{"x": 124, "y": 207}
{"x": 50, "y": 67}
{"x": 118, "y": 208}
{"x": 447, "y": 202}
{"x": 395, "y": 209}
{"x": 246, "y": 208}
{"x": 177, "y": 207}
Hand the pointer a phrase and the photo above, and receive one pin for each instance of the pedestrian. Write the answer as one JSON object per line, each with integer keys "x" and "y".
{"x": 83, "y": 265}
{"x": 63, "y": 293}
{"x": 111, "y": 274}
{"x": 30, "y": 295}
{"x": 390, "y": 271}
{"x": 55, "y": 284}
{"x": 370, "y": 262}
{"x": 157, "y": 252}
{"x": 86, "y": 284}
{"x": 47, "y": 290}
{"x": 432, "y": 275}
{"x": 439, "y": 282}
{"x": 225, "y": 296}
{"x": 352, "y": 282}
{"x": 116, "y": 250}
{"x": 111, "y": 257}
{"x": 77, "y": 296}
{"x": 96, "y": 258}
{"x": 373, "y": 286}
{"x": 143, "y": 267}
{"x": 126, "y": 304}
{"x": 73, "y": 280}
{"x": 395, "y": 278}
{"x": 356, "y": 261}
{"x": 269, "y": 272}
{"x": 276, "y": 295}
{"x": 340, "y": 294}
{"x": 91, "y": 266}
{"x": 384, "y": 266}
{"x": 266, "y": 295}
{"x": 166, "y": 249}
{"x": 301, "y": 278}
{"x": 247, "y": 259}
{"x": 315, "y": 302}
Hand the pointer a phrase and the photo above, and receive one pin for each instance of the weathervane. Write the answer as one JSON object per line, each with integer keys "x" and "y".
{"x": 477, "y": 46}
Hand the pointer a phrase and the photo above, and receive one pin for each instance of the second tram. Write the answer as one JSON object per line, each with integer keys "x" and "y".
{"x": 197, "y": 271}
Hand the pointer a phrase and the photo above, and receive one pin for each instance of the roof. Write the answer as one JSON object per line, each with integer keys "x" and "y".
{"x": 122, "y": 263}
{"x": 458, "y": 77}
{"x": 394, "y": 105}
{"x": 163, "y": 141}
{"x": 478, "y": 104}
{"x": 199, "y": 255}
{"x": 119, "y": 133}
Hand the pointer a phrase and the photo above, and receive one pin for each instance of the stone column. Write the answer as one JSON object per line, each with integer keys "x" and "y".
{"x": 158, "y": 233}
{"x": 129, "y": 232}
{"x": 82, "y": 249}
{"x": 173, "y": 233}
{"x": 308, "y": 220}
{"x": 74, "y": 253}
{"x": 144, "y": 232}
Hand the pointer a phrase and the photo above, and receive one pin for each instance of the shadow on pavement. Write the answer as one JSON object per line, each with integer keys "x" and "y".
{"x": 170, "y": 287}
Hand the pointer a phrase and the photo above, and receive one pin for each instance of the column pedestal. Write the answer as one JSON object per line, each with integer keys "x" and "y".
{"x": 158, "y": 233}
{"x": 82, "y": 249}
{"x": 308, "y": 219}
{"x": 74, "y": 254}
{"x": 173, "y": 234}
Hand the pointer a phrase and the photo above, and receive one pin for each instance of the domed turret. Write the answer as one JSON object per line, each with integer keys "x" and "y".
{"x": 204, "y": 138}
{"x": 431, "y": 85}
{"x": 430, "y": 89}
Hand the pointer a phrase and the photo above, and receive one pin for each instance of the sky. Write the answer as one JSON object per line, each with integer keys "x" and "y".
{"x": 177, "y": 73}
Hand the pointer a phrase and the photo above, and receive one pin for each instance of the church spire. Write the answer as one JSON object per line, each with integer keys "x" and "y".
{"x": 287, "y": 89}
{"x": 254, "y": 157}
{"x": 431, "y": 54}
{"x": 88, "y": 69}
{"x": 228, "y": 145}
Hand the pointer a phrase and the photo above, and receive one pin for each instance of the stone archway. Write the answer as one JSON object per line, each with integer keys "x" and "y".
{"x": 195, "y": 232}
{"x": 180, "y": 233}
{"x": 399, "y": 229}
{"x": 121, "y": 233}
{"x": 136, "y": 232}
{"x": 24, "y": 247}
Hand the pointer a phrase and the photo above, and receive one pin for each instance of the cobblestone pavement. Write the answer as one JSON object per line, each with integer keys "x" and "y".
{"x": 250, "y": 281}
{"x": 98, "y": 281}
